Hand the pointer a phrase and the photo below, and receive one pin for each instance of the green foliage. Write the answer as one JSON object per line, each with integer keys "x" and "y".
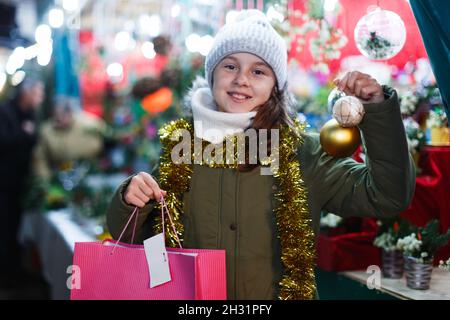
{"x": 396, "y": 226}
{"x": 432, "y": 239}
{"x": 92, "y": 202}
{"x": 377, "y": 46}
{"x": 317, "y": 104}
{"x": 423, "y": 243}
{"x": 315, "y": 9}
{"x": 43, "y": 195}
{"x": 390, "y": 230}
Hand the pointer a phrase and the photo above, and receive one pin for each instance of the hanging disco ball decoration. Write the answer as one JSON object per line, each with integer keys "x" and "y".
{"x": 380, "y": 34}
{"x": 334, "y": 96}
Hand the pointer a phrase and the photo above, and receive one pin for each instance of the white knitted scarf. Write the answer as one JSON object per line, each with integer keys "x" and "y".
{"x": 213, "y": 125}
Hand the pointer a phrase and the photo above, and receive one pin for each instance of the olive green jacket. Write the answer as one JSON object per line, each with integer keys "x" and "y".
{"x": 232, "y": 210}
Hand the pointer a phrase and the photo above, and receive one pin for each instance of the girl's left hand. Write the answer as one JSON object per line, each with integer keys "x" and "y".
{"x": 362, "y": 86}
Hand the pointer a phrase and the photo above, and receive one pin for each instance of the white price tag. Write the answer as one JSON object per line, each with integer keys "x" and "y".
{"x": 157, "y": 260}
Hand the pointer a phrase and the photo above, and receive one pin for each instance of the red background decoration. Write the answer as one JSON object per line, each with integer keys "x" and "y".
{"x": 93, "y": 78}
{"x": 431, "y": 198}
{"x": 347, "y": 19}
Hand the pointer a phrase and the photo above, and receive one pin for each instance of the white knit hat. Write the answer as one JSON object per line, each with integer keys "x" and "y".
{"x": 251, "y": 32}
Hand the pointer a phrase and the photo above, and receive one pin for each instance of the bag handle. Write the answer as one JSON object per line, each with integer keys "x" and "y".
{"x": 164, "y": 206}
{"x": 136, "y": 212}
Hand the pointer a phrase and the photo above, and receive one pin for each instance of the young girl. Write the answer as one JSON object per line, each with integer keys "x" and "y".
{"x": 266, "y": 223}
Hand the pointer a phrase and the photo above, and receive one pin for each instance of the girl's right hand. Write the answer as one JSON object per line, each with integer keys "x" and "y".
{"x": 142, "y": 189}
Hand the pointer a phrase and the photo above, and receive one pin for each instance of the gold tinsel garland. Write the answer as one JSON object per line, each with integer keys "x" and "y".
{"x": 292, "y": 215}
{"x": 173, "y": 178}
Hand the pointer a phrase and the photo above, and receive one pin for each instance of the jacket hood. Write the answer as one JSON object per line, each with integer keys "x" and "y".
{"x": 198, "y": 83}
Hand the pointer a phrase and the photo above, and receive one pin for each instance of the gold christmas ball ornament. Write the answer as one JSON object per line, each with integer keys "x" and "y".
{"x": 339, "y": 141}
{"x": 348, "y": 111}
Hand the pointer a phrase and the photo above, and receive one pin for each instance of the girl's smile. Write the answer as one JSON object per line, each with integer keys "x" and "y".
{"x": 239, "y": 97}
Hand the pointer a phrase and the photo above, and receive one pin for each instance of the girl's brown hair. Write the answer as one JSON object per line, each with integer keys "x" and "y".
{"x": 273, "y": 114}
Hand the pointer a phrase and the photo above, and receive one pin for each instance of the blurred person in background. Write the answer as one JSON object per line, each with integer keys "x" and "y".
{"x": 70, "y": 135}
{"x": 18, "y": 137}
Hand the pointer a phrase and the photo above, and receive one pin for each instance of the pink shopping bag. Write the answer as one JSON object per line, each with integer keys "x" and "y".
{"x": 118, "y": 271}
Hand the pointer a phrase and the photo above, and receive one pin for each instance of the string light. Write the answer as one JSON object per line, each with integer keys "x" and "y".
{"x": 330, "y": 5}
{"x": 148, "y": 50}
{"x": 17, "y": 77}
{"x": 70, "y": 5}
{"x": 2, "y": 80}
{"x": 43, "y": 33}
{"x": 114, "y": 70}
{"x": 55, "y": 18}
{"x": 175, "y": 10}
{"x": 122, "y": 41}
{"x": 45, "y": 53}
{"x": 16, "y": 60}
{"x": 192, "y": 42}
{"x": 31, "y": 52}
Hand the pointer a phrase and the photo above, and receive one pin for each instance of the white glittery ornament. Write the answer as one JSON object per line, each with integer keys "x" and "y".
{"x": 380, "y": 34}
{"x": 348, "y": 111}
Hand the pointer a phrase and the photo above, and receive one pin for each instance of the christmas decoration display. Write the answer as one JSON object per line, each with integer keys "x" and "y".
{"x": 380, "y": 34}
{"x": 445, "y": 265}
{"x": 424, "y": 241}
{"x": 390, "y": 230}
{"x": 408, "y": 103}
{"x": 338, "y": 141}
{"x": 415, "y": 136}
{"x": 340, "y": 137}
{"x": 348, "y": 111}
{"x": 330, "y": 220}
{"x": 419, "y": 248}
{"x": 158, "y": 101}
{"x": 317, "y": 31}
{"x": 334, "y": 96}
{"x": 438, "y": 124}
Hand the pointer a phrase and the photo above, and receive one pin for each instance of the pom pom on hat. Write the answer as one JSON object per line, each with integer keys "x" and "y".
{"x": 250, "y": 13}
